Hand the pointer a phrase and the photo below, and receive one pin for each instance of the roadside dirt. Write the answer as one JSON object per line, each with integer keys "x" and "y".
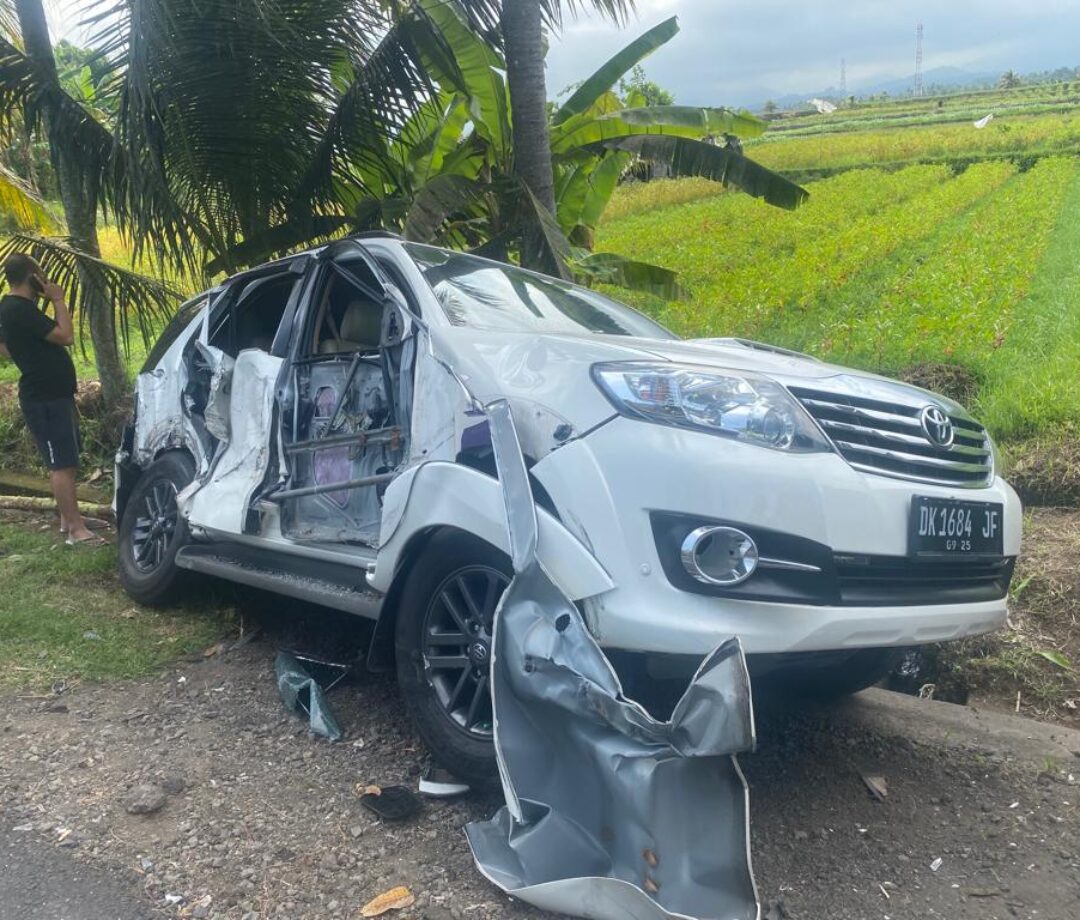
{"x": 264, "y": 819}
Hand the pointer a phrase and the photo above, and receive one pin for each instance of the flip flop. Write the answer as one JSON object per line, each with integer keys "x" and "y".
{"x": 93, "y": 540}
{"x": 91, "y": 524}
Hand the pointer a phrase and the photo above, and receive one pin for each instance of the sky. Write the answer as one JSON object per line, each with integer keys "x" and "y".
{"x": 742, "y": 53}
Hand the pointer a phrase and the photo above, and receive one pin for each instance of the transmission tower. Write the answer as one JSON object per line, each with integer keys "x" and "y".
{"x": 843, "y": 78}
{"x": 917, "y": 90}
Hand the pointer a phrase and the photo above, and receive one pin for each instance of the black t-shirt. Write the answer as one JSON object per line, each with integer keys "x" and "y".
{"x": 47, "y": 369}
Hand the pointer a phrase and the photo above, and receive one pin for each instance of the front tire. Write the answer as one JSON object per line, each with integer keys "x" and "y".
{"x": 443, "y": 646}
{"x": 152, "y": 531}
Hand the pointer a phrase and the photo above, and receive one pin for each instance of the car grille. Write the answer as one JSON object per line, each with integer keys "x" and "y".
{"x": 888, "y": 438}
{"x": 876, "y": 580}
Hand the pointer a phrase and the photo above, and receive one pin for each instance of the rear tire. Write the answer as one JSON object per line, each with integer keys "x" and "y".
{"x": 152, "y": 531}
{"x": 443, "y": 650}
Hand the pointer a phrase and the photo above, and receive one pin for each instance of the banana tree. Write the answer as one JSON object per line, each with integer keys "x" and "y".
{"x": 447, "y": 176}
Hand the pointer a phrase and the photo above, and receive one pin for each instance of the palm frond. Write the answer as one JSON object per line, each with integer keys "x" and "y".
{"x": 22, "y": 204}
{"x": 136, "y": 300}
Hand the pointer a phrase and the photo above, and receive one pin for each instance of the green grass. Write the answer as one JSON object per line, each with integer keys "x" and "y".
{"x": 64, "y": 617}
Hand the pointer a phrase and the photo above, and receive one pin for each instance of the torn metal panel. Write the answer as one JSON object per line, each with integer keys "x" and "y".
{"x": 221, "y": 501}
{"x": 216, "y": 414}
{"x": 441, "y": 494}
{"x": 609, "y": 813}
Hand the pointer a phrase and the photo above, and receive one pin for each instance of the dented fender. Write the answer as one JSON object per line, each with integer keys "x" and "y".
{"x": 444, "y": 494}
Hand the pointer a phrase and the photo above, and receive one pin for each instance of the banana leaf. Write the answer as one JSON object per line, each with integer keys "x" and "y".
{"x": 604, "y": 78}
{"x": 688, "y": 157}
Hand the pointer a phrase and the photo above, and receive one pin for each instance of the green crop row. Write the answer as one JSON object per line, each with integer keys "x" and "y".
{"x": 747, "y": 265}
{"x": 1057, "y": 132}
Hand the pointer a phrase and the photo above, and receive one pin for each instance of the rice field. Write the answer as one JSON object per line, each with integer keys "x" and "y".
{"x": 977, "y": 267}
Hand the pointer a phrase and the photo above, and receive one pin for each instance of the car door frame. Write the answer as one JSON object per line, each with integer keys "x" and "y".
{"x": 324, "y": 264}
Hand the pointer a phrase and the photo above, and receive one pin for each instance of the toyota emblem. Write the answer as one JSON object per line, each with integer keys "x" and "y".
{"x": 937, "y": 426}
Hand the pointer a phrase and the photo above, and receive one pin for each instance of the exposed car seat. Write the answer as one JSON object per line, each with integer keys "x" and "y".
{"x": 360, "y": 329}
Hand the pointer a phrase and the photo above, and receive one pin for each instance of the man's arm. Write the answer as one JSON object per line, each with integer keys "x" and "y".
{"x": 64, "y": 331}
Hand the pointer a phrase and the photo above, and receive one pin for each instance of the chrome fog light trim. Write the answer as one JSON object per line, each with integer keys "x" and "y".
{"x": 719, "y": 555}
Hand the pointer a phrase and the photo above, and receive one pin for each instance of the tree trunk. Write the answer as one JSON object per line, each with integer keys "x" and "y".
{"x": 79, "y": 195}
{"x": 522, "y": 29}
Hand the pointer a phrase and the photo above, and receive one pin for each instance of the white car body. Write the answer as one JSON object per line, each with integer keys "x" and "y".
{"x": 606, "y": 475}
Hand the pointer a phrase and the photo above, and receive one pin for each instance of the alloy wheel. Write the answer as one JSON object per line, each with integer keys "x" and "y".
{"x": 457, "y": 645}
{"x": 155, "y": 527}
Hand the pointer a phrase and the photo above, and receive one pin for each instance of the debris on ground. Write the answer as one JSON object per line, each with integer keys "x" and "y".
{"x": 394, "y": 899}
{"x": 391, "y": 803}
{"x": 877, "y": 786}
{"x": 304, "y": 695}
{"x": 437, "y": 783}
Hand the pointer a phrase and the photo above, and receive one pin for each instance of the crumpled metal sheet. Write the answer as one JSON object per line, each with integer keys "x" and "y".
{"x": 610, "y": 814}
{"x": 303, "y": 694}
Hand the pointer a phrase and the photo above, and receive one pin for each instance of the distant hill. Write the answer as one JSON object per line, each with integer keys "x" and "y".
{"x": 940, "y": 77}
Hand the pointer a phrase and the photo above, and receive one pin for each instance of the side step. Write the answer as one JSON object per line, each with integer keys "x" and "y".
{"x": 330, "y": 584}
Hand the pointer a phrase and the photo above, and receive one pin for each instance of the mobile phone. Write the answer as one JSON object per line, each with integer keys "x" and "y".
{"x": 37, "y": 285}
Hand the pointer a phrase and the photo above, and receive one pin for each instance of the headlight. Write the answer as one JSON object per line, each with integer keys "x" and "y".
{"x": 740, "y": 405}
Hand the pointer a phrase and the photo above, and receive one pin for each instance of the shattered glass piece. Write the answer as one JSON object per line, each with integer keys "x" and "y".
{"x": 609, "y": 813}
{"x": 303, "y": 694}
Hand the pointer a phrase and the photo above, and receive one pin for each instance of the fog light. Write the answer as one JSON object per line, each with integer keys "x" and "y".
{"x": 719, "y": 555}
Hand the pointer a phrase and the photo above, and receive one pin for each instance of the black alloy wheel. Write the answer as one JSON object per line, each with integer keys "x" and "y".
{"x": 152, "y": 531}
{"x": 443, "y": 649}
{"x": 155, "y": 526}
{"x": 457, "y": 645}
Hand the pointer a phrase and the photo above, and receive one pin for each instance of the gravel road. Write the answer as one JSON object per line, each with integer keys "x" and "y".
{"x": 259, "y": 819}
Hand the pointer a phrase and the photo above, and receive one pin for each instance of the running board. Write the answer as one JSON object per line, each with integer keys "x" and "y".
{"x": 331, "y": 584}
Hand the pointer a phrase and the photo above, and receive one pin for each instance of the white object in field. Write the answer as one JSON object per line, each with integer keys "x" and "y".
{"x": 984, "y": 121}
{"x": 823, "y": 106}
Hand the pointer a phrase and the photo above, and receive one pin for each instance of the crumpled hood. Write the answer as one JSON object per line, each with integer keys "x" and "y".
{"x": 551, "y": 372}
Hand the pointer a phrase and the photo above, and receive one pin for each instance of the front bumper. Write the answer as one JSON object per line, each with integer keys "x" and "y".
{"x": 607, "y": 486}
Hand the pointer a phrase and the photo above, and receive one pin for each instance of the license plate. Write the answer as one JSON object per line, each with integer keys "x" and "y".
{"x": 950, "y": 527}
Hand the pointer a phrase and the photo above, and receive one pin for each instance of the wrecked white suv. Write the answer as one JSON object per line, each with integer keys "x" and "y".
{"x": 314, "y": 427}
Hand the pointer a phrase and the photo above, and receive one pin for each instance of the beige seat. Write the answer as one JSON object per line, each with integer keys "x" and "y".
{"x": 361, "y": 329}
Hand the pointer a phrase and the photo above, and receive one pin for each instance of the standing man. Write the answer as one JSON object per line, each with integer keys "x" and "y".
{"x": 38, "y": 346}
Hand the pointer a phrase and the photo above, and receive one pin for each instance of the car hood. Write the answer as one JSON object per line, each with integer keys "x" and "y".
{"x": 551, "y": 372}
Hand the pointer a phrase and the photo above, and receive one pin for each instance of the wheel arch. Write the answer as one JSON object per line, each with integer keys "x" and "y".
{"x": 381, "y": 654}
{"x": 130, "y": 473}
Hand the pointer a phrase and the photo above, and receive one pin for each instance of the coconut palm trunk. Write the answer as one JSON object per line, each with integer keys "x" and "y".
{"x": 523, "y": 38}
{"x": 79, "y": 195}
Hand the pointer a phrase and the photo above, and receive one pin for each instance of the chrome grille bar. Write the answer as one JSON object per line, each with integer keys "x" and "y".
{"x": 887, "y": 438}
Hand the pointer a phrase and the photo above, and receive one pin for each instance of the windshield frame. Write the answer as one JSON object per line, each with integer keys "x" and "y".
{"x": 425, "y": 258}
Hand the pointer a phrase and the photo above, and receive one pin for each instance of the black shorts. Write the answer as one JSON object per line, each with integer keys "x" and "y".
{"x": 54, "y": 423}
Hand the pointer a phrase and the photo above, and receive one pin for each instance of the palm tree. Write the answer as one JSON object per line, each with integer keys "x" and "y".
{"x": 76, "y": 147}
{"x": 522, "y": 25}
{"x": 231, "y": 116}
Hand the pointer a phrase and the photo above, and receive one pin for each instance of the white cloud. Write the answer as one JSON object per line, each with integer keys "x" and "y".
{"x": 735, "y": 52}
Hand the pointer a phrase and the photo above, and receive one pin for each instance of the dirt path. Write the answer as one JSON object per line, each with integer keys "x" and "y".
{"x": 263, "y": 820}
